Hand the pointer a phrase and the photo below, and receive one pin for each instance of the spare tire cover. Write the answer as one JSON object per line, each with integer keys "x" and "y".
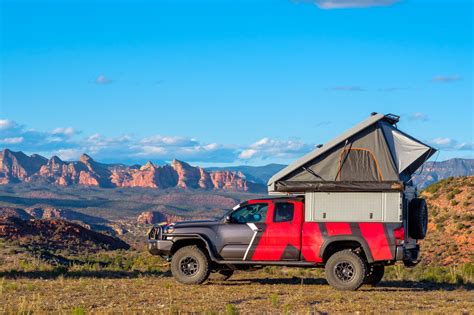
{"x": 417, "y": 218}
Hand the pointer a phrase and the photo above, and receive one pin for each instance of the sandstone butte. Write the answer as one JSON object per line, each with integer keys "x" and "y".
{"x": 18, "y": 167}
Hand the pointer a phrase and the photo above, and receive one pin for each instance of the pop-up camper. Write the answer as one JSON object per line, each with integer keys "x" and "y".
{"x": 372, "y": 156}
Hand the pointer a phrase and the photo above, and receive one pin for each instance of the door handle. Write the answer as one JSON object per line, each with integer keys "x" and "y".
{"x": 259, "y": 230}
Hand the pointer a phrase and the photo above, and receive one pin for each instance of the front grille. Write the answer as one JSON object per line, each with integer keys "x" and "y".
{"x": 155, "y": 233}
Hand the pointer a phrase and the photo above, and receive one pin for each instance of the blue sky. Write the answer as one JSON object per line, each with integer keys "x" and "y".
{"x": 230, "y": 82}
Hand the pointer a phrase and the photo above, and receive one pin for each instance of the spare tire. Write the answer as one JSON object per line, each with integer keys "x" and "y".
{"x": 417, "y": 218}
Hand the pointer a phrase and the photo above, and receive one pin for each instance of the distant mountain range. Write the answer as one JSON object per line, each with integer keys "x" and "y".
{"x": 19, "y": 167}
{"x": 432, "y": 172}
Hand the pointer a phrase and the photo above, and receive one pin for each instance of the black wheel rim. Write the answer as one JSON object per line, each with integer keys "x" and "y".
{"x": 189, "y": 266}
{"x": 345, "y": 271}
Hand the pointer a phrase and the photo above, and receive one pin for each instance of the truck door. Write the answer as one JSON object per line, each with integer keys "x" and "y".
{"x": 282, "y": 236}
{"x": 241, "y": 237}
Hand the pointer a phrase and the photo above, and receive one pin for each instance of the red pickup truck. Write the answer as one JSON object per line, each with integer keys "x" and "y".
{"x": 349, "y": 207}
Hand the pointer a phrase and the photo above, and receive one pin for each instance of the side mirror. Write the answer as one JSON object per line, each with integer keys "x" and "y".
{"x": 227, "y": 219}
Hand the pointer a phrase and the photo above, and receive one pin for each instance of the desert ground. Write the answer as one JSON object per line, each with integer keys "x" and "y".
{"x": 246, "y": 292}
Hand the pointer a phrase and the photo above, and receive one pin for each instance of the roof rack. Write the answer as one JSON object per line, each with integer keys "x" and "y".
{"x": 392, "y": 118}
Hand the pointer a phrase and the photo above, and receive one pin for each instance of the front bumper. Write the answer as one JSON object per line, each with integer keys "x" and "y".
{"x": 409, "y": 256}
{"x": 160, "y": 247}
{"x": 157, "y": 245}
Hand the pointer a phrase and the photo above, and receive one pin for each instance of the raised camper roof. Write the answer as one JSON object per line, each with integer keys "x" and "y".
{"x": 371, "y": 156}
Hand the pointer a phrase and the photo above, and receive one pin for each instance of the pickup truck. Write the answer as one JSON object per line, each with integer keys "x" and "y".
{"x": 349, "y": 206}
{"x": 273, "y": 231}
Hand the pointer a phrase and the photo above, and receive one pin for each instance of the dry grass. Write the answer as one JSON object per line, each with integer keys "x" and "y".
{"x": 246, "y": 292}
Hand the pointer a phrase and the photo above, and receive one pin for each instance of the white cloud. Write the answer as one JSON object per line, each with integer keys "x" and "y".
{"x": 102, "y": 80}
{"x": 67, "y": 131}
{"x": 6, "y": 124}
{"x": 169, "y": 140}
{"x": 69, "y": 154}
{"x": 347, "y": 4}
{"x": 446, "y": 78}
{"x": 450, "y": 144}
{"x": 266, "y": 148}
{"x": 466, "y": 146}
{"x": 418, "y": 116}
{"x": 443, "y": 141}
{"x": 248, "y": 154}
{"x": 14, "y": 140}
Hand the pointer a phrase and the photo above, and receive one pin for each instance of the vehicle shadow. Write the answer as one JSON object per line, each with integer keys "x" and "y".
{"x": 386, "y": 286}
{"x": 104, "y": 274}
{"x": 422, "y": 286}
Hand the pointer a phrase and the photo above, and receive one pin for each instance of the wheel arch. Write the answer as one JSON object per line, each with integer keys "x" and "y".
{"x": 201, "y": 241}
{"x": 341, "y": 242}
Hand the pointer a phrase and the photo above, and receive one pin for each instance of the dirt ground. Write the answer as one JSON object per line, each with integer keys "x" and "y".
{"x": 245, "y": 292}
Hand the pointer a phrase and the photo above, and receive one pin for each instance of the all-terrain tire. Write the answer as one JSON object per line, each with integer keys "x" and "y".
{"x": 221, "y": 275}
{"x": 417, "y": 218}
{"x": 345, "y": 270}
{"x": 374, "y": 274}
{"x": 190, "y": 265}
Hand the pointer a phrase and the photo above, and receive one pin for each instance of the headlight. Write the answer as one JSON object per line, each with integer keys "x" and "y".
{"x": 169, "y": 229}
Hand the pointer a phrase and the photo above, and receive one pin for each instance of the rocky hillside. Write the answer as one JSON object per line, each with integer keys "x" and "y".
{"x": 450, "y": 238}
{"x": 52, "y": 234}
{"x": 19, "y": 167}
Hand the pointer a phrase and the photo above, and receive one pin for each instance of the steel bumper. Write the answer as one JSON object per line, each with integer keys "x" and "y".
{"x": 160, "y": 247}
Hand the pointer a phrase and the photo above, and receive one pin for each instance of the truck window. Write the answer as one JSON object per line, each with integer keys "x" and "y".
{"x": 283, "y": 212}
{"x": 250, "y": 213}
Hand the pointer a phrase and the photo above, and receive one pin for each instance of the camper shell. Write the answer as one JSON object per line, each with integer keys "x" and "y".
{"x": 372, "y": 156}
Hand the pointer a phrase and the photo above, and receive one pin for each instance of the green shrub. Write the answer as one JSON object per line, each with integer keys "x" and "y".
{"x": 456, "y": 191}
{"x": 466, "y": 204}
{"x": 230, "y": 309}
{"x": 454, "y": 202}
{"x": 78, "y": 310}
{"x": 274, "y": 299}
{"x": 450, "y": 196}
{"x": 456, "y": 274}
{"x": 433, "y": 188}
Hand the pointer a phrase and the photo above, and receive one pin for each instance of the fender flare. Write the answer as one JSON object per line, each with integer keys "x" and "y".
{"x": 338, "y": 238}
{"x": 207, "y": 243}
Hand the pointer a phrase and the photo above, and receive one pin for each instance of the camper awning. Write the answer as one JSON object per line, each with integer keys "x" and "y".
{"x": 372, "y": 155}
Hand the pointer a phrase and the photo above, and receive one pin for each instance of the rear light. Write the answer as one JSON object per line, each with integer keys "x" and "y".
{"x": 399, "y": 234}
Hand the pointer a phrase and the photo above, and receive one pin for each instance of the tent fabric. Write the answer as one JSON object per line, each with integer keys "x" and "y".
{"x": 374, "y": 152}
{"x": 407, "y": 151}
{"x": 357, "y": 164}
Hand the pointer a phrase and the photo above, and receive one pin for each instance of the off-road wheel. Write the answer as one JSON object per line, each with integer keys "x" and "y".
{"x": 345, "y": 270}
{"x": 190, "y": 265}
{"x": 221, "y": 275}
{"x": 417, "y": 218}
{"x": 374, "y": 274}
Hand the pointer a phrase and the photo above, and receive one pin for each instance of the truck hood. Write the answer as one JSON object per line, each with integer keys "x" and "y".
{"x": 196, "y": 223}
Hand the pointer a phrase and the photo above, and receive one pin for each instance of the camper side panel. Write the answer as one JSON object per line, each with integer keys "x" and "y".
{"x": 353, "y": 207}
{"x": 367, "y": 218}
